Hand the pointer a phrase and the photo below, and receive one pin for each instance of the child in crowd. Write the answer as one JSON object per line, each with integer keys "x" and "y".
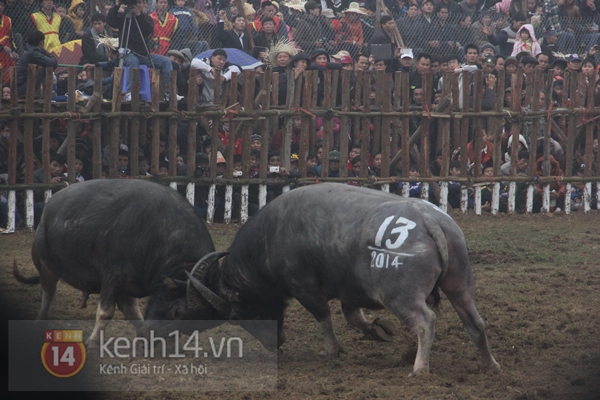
{"x": 525, "y": 41}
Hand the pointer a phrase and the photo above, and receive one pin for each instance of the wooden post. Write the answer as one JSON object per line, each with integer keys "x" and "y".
{"x": 115, "y": 125}
{"x": 328, "y": 101}
{"x": 156, "y": 97}
{"x": 464, "y": 138}
{"x": 14, "y": 128}
{"x": 28, "y": 124}
{"x": 71, "y": 125}
{"x": 386, "y": 106}
{"x": 477, "y": 139}
{"x": 48, "y": 83}
{"x": 134, "y": 138}
{"x": 405, "y": 127}
{"x": 97, "y": 127}
{"x": 365, "y": 129}
{"x": 517, "y": 84}
{"x": 173, "y": 123}
{"x": 305, "y": 133}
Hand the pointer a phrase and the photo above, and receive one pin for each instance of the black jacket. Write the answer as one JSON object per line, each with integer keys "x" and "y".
{"x": 88, "y": 50}
{"x": 137, "y": 42}
{"x": 33, "y": 55}
{"x": 230, "y": 39}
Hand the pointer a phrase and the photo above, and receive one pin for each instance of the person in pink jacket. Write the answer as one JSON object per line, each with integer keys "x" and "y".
{"x": 525, "y": 41}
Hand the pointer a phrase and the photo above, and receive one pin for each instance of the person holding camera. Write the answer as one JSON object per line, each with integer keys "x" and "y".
{"x": 135, "y": 28}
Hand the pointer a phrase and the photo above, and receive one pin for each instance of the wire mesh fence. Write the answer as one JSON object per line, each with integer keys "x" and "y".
{"x": 425, "y": 28}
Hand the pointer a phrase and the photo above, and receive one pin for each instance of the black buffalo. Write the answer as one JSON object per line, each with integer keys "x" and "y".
{"x": 367, "y": 248}
{"x": 124, "y": 239}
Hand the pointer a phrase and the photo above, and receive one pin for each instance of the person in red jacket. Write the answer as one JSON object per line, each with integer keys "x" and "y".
{"x": 165, "y": 25}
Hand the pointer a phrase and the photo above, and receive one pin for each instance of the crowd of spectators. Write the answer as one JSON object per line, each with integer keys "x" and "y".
{"x": 418, "y": 37}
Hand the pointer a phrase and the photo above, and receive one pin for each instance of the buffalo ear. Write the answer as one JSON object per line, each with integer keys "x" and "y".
{"x": 233, "y": 297}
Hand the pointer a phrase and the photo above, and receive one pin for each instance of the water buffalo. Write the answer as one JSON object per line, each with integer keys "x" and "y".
{"x": 124, "y": 239}
{"x": 367, "y": 248}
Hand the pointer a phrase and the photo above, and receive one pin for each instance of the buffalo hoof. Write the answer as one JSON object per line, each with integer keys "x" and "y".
{"x": 420, "y": 373}
{"x": 386, "y": 325}
{"x": 492, "y": 369}
{"x": 334, "y": 351}
{"x": 377, "y": 333}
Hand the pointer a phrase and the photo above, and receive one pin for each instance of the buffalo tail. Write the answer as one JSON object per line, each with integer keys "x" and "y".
{"x": 22, "y": 279}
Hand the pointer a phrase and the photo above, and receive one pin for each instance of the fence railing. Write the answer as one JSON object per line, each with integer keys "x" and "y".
{"x": 379, "y": 120}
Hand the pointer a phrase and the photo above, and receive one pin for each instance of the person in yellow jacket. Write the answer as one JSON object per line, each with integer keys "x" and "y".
{"x": 77, "y": 15}
{"x": 48, "y": 22}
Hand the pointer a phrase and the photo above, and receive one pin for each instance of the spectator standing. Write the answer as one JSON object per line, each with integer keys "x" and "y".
{"x": 165, "y": 26}
{"x": 351, "y": 26}
{"x": 7, "y": 52}
{"x": 48, "y": 22}
{"x": 187, "y": 30}
{"x": 77, "y": 15}
{"x": 235, "y": 38}
{"x": 506, "y": 38}
{"x": 525, "y": 41}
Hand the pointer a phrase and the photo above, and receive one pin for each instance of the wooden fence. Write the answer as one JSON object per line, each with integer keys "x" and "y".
{"x": 381, "y": 125}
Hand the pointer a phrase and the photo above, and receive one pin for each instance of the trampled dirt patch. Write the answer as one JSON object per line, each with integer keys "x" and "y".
{"x": 538, "y": 286}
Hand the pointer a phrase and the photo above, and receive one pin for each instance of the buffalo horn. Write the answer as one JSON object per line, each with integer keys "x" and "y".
{"x": 218, "y": 303}
{"x": 194, "y": 299}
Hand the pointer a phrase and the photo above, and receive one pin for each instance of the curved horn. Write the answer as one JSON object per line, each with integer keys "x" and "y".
{"x": 194, "y": 299}
{"x": 218, "y": 303}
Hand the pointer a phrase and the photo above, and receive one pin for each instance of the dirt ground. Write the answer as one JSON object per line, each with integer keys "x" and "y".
{"x": 538, "y": 288}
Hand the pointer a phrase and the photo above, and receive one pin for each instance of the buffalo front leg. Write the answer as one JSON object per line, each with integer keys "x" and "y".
{"x": 379, "y": 329}
{"x": 130, "y": 307}
{"x": 317, "y": 305}
{"x": 105, "y": 312}
{"x": 420, "y": 320}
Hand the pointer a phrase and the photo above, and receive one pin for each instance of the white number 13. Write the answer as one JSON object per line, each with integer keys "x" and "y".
{"x": 402, "y": 230}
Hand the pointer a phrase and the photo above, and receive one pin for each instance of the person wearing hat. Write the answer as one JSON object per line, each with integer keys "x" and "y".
{"x": 559, "y": 65}
{"x": 549, "y": 43}
{"x": 255, "y": 142}
{"x": 334, "y": 164}
{"x": 505, "y": 39}
{"x": 488, "y": 65}
{"x": 280, "y": 57}
{"x": 526, "y": 41}
{"x": 352, "y": 25}
{"x": 574, "y": 63}
{"x": 347, "y": 63}
{"x": 486, "y": 49}
{"x": 529, "y": 64}
{"x": 300, "y": 63}
{"x": 406, "y": 60}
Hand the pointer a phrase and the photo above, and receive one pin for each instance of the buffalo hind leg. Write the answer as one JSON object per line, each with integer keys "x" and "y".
{"x": 379, "y": 329}
{"x": 420, "y": 320}
{"x": 464, "y": 304}
{"x": 48, "y": 281}
{"x": 130, "y": 307}
{"x": 318, "y": 306}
